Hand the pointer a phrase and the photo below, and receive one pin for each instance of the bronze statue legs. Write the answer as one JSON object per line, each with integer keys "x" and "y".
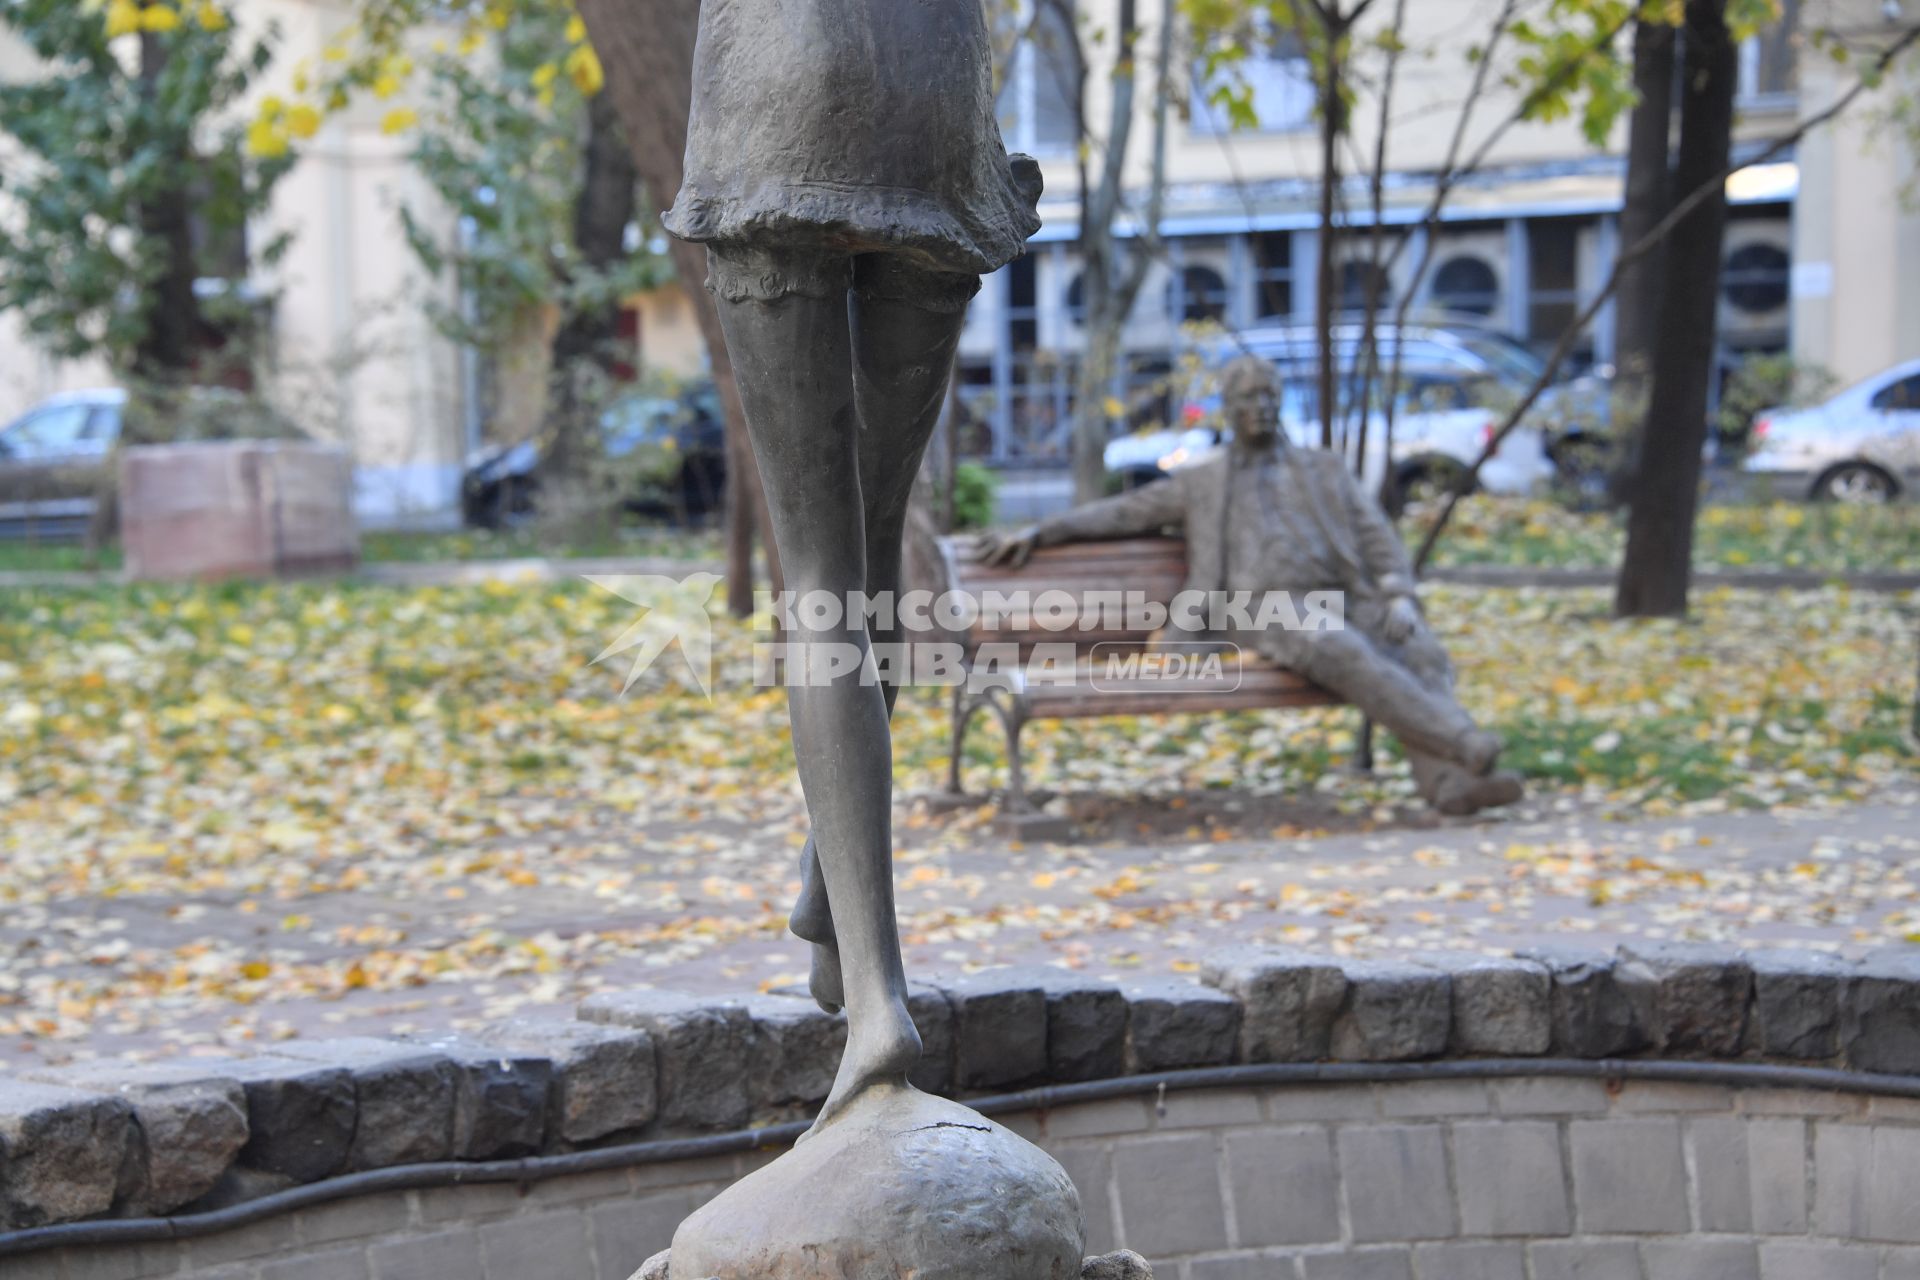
{"x": 842, "y": 365}
{"x": 1408, "y": 688}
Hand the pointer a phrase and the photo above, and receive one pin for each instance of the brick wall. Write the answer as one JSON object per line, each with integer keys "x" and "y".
{"x": 1519, "y": 1178}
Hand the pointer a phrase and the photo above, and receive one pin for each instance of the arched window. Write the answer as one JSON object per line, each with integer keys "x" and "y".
{"x": 1077, "y": 300}
{"x": 1755, "y": 278}
{"x": 1203, "y": 295}
{"x": 1353, "y": 286}
{"x": 1466, "y": 284}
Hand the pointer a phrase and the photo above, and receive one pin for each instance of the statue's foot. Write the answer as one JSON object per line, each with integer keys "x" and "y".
{"x": 1479, "y": 749}
{"x": 881, "y": 1049}
{"x": 824, "y": 983}
{"x": 1460, "y": 795}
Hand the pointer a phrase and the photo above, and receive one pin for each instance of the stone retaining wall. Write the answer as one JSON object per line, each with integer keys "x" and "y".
{"x": 133, "y": 1141}
{"x": 1525, "y": 1178}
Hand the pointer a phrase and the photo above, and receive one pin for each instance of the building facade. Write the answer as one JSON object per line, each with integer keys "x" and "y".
{"x": 1822, "y": 254}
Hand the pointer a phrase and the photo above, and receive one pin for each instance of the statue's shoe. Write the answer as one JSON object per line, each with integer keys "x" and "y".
{"x": 1460, "y": 794}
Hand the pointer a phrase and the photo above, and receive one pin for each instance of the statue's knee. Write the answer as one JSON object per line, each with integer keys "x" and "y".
{"x": 1424, "y": 656}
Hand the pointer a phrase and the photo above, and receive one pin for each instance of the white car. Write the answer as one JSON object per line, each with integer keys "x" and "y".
{"x": 1863, "y": 445}
{"x": 1430, "y": 449}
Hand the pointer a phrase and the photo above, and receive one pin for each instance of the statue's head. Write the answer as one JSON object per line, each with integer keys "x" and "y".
{"x": 1250, "y": 398}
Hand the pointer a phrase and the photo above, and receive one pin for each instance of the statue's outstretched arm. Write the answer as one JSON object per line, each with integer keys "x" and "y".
{"x": 1148, "y": 509}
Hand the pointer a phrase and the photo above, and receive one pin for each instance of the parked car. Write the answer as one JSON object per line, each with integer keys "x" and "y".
{"x": 1454, "y": 385}
{"x": 1862, "y": 445}
{"x": 53, "y": 457}
{"x": 674, "y": 449}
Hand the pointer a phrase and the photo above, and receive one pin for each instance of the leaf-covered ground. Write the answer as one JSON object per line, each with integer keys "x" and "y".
{"x": 247, "y": 812}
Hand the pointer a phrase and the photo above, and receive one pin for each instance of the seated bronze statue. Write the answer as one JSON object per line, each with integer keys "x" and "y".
{"x": 1265, "y": 516}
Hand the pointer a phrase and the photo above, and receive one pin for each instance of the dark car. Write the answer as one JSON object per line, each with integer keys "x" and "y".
{"x": 54, "y": 457}
{"x": 670, "y": 453}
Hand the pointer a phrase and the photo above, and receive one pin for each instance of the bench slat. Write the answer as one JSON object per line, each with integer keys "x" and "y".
{"x": 1158, "y": 585}
{"x": 1157, "y": 569}
{"x": 1073, "y": 704}
{"x": 1081, "y": 640}
{"x": 1259, "y": 684}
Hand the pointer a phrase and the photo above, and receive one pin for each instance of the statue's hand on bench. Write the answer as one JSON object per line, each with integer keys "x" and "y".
{"x": 1010, "y": 549}
{"x": 1402, "y": 620}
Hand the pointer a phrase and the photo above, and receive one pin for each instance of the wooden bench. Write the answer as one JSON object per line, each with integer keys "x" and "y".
{"x": 1154, "y": 567}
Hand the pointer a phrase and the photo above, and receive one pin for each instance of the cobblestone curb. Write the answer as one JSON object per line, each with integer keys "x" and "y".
{"x": 182, "y": 1138}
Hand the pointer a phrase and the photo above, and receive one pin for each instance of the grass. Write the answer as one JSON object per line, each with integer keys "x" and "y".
{"x": 25, "y": 556}
{"x": 1518, "y": 533}
{"x": 1780, "y": 535}
{"x": 648, "y": 541}
{"x": 515, "y": 544}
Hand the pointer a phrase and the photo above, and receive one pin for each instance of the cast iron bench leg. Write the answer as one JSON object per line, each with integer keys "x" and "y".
{"x": 963, "y": 713}
{"x": 1013, "y": 718}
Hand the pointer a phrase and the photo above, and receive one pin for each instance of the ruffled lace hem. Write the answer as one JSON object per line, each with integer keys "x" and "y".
{"x": 853, "y": 220}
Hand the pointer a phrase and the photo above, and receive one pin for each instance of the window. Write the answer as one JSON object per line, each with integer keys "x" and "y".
{"x": 1272, "y": 275}
{"x": 1466, "y": 284}
{"x": 1023, "y": 313}
{"x": 52, "y": 432}
{"x": 1902, "y": 396}
{"x": 1767, "y": 58}
{"x": 1553, "y": 259}
{"x": 1275, "y": 77}
{"x": 1200, "y": 294}
{"x": 1355, "y": 293}
{"x": 1755, "y": 278}
{"x": 1439, "y": 391}
{"x": 1039, "y": 98}
{"x": 1076, "y": 299}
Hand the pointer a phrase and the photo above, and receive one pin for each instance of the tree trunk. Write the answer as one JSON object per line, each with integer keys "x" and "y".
{"x": 1102, "y": 285}
{"x": 950, "y": 453}
{"x": 174, "y": 329}
{"x": 1111, "y": 285}
{"x": 1099, "y": 363}
{"x": 1636, "y": 306}
{"x": 1655, "y": 571}
{"x": 1325, "y": 299}
{"x": 586, "y": 341}
{"x": 647, "y": 49}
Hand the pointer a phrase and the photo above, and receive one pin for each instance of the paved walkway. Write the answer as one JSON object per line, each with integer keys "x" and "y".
{"x": 699, "y": 905}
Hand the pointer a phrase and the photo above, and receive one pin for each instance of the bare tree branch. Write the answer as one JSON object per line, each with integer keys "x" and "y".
{"x": 1377, "y": 194}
